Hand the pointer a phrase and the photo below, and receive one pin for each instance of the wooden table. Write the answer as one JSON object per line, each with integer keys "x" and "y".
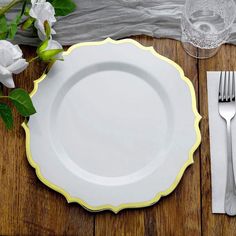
{"x": 29, "y": 207}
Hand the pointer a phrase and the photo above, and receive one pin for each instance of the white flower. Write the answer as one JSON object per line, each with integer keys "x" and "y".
{"x": 11, "y": 61}
{"x": 42, "y": 11}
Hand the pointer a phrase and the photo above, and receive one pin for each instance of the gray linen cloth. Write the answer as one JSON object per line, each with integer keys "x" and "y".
{"x": 98, "y": 19}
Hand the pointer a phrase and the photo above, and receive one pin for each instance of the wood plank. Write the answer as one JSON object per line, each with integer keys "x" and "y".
{"x": 179, "y": 213}
{"x": 212, "y": 224}
{"x": 27, "y": 206}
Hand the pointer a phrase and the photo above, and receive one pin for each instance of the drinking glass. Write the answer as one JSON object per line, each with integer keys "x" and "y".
{"x": 206, "y": 25}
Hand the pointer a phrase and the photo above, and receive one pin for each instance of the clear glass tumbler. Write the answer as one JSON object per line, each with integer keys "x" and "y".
{"x": 206, "y": 25}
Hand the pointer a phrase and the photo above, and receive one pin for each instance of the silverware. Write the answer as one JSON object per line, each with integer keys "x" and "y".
{"x": 227, "y": 112}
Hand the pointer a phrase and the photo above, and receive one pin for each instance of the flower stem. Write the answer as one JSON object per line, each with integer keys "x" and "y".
{"x": 6, "y": 8}
{"x": 33, "y": 59}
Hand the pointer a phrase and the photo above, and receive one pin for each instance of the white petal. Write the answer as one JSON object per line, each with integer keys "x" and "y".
{"x": 14, "y": 49}
{"x": 51, "y": 12}
{"x": 40, "y": 28}
{"x": 18, "y": 66}
{"x": 8, "y": 81}
{"x": 4, "y": 72}
{"x": 39, "y": 25}
{"x": 41, "y": 35}
{"x": 53, "y": 31}
{"x": 17, "y": 52}
{"x": 5, "y": 43}
{"x": 9, "y": 53}
{"x": 32, "y": 13}
{"x": 53, "y": 44}
{"x": 6, "y": 77}
{"x": 39, "y": 11}
{"x": 6, "y": 57}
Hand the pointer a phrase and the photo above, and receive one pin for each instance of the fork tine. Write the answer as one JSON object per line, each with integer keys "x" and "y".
{"x": 229, "y": 95}
{"x": 220, "y": 87}
{"x": 233, "y": 88}
{"x": 224, "y": 89}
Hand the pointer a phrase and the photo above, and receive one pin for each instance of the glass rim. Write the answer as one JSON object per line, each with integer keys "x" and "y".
{"x": 219, "y": 32}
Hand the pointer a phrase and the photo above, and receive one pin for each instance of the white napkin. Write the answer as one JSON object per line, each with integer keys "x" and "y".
{"x": 218, "y": 144}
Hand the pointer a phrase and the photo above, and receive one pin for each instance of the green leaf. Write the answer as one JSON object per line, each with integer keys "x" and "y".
{"x": 49, "y": 55}
{"x": 27, "y": 23}
{"x": 22, "y": 101}
{"x": 3, "y": 27}
{"x": 3, "y": 23}
{"x": 63, "y": 7}
{"x": 6, "y": 115}
{"x": 15, "y": 22}
{"x": 13, "y": 26}
{"x": 12, "y": 30}
{"x": 42, "y": 46}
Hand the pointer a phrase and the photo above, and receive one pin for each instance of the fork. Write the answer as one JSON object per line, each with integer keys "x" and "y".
{"x": 226, "y": 102}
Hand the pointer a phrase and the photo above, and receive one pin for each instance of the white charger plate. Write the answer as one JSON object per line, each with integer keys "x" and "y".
{"x": 116, "y": 125}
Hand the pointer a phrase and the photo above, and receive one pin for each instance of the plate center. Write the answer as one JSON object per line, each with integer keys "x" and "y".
{"x": 112, "y": 123}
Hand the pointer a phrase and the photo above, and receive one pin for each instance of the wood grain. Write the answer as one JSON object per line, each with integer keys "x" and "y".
{"x": 30, "y": 208}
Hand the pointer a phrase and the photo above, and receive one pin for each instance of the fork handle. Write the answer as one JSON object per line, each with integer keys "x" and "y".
{"x": 230, "y": 193}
